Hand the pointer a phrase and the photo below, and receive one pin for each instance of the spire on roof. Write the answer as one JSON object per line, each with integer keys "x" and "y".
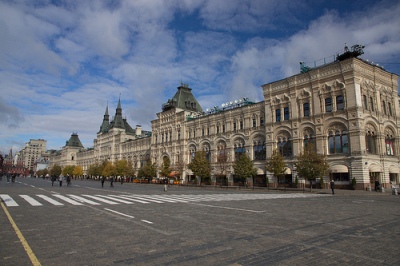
{"x": 106, "y": 122}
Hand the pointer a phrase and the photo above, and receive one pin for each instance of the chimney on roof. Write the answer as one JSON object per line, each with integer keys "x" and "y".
{"x": 138, "y": 130}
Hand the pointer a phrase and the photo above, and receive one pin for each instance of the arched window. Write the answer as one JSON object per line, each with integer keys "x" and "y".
{"x": 285, "y": 147}
{"x": 206, "y": 149}
{"x": 370, "y": 142}
{"x": 239, "y": 149}
{"x": 222, "y": 156}
{"x": 192, "y": 153}
{"x": 328, "y": 105}
{"x": 338, "y": 142}
{"x": 389, "y": 142}
{"x": 309, "y": 139}
{"x": 259, "y": 150}
{"x": 306, "y": 109}
{"x": 254, "y": 121}
{"x": 339, "y": 102}
{"x": 390, "y": 109}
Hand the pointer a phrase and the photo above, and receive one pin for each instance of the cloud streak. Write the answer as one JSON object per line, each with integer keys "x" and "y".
{"x": 60, "y": 64}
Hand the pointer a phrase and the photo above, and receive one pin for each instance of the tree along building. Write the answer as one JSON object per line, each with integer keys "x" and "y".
{"x": 348, "y": 109}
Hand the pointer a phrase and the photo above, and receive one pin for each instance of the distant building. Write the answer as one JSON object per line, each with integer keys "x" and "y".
{"x": 33, "y": 150}
{"x": 348, "y": 109}
{"x": 14, "y": 164}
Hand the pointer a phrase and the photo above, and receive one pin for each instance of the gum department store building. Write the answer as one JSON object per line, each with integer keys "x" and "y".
{"x": 349, "y": 109}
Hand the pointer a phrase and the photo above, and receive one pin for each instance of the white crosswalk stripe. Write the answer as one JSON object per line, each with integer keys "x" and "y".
{"x": 50, "y": 200}
{"x": 41, "y": 200}
{"x": 31, "y": 200}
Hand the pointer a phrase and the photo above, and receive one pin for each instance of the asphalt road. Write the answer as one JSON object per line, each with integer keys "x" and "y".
{"x": 140, "y": 224}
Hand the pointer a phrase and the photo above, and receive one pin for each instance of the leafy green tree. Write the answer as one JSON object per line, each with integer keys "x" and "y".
{"x": 311, "y": 165}
{"x": 244, "y": 168}
{"x": 121, "y": 167}
{"x": 200, "y": 166}
{"x": 78, "y": 171}
{"x": 109, "y": 170}
{"x": 166, "y": 167}
{"x": 68, "y": 170}
{"x": 55, "y": 170}
{"x": 276, "y": 164}
{"x": 130, "y": 171}
{"x": 148, "y": 170}
{"x": 179, "y": 168}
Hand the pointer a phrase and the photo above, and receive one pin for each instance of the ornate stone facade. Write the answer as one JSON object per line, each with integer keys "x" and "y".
{"x": 349, "y": 109}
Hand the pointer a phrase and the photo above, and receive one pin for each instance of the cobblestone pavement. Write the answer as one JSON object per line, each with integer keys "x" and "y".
{"x": 305, "y": 228}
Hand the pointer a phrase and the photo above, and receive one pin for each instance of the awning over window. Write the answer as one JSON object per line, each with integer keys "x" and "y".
{"x": 375, "y": 168}
{"x": 339, "y": 168}
{"x": 394, "y": 169}
{"x": 260, "y": 171}
{"x": 288, "y": 171}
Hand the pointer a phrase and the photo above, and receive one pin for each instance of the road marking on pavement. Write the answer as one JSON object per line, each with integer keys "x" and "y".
{"x": 73, "y": 202}
{"x": 83, "y": 200}
{"x": 101, "y": 199}
{"x": 8, "y": 200}
{"x": 118, "y": 200}
{"x": 229, "y": 208}
{"x": 29, "y": 252}
{"x": 48, "y": 199}
{"x": 120, "y": 213}
{"x": 147, "y": 221}
{"x": 31, "y": 200}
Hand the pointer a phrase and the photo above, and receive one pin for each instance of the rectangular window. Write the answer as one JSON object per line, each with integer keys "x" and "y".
{"x": 234, "y": 126}
{"x": 371, "y": 103}
{"x": 223, "y": 128}
{"x": 328, "y": 105}
{"x": 278, "y": 115}
{"x": 365, "y": 102}
{"x": 286, "y": 113}
{"x": 261, "y": 121}
{"x": 384, "y": 107}
{"x": 254, "y": 122}
{"x": 339, "y": 102}
{"x": 306, "y": 109}
{"x": 241, "y": 124}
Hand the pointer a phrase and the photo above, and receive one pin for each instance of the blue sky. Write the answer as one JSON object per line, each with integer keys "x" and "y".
{"x": 61, "y": 62}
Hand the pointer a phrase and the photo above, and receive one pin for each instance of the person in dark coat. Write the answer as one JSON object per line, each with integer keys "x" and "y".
{"x": 333, "y": 186}
{"x": 112, "y": 182}
{"x": 102, "y": 181}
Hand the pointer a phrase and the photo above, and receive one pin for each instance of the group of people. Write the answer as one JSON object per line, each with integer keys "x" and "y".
{"x": 60, "y": 179}
{"x": 9, "y": 176}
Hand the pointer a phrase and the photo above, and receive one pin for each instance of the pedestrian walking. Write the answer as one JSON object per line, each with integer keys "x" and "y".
{"x": 165, "y": 185}
{"x": 60, "y": 179}
{"x": 68, "y": 180}
{"x": 112, "y": 182}
{"x": 333, "y": 186}
{"x": 53, "y": 178}
{"x": 102, "y": 181}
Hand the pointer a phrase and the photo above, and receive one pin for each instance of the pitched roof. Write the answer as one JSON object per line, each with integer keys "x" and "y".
{"x": 74, "y": 141}
{"x": 183, "y": 99}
